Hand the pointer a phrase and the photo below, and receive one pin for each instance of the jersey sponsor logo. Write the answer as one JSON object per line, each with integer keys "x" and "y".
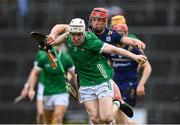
{"x": 47, "y": 65}
{"x": 75, "y": 48}
{"x": 108, "y": 38}
{"x": 78, "y": 49}
{"x": 120, "y": 60}
{"x": 121, "y": 64}
{"x": 69, "y": 45}
{"x": 82, "y": 49}
{"x": 116, "y": 56}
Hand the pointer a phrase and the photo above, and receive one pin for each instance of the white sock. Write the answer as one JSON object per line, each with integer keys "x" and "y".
{"x": 117, "y": 103}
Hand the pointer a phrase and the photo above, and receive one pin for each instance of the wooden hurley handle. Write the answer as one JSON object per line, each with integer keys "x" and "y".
{"x": 53, "y": 63}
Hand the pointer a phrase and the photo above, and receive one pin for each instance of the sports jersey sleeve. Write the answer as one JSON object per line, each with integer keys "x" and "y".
{"x": 116, "y": 37}
{"x": 132, "y": 36}
{"x": 137, "y": 51}
{"x": 94, "y": 43}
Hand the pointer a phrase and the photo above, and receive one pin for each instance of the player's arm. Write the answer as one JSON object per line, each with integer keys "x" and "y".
{"x": 32, "y": 82}
{"x": 56, "y": 30}
{"x": 74, "y": 77}
{"x": 25, "y": 90}
{"x": 134, "y": 42}
{"x": 110, "y": 49}
{"x": 146, "y": 72}
{"x": 59, "y": 40}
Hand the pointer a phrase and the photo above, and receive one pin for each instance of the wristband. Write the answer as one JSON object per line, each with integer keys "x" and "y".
{"x": 26, "y": 86}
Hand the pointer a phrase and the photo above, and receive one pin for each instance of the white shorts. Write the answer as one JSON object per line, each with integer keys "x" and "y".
{"x": 40, "y": 91}
{"x": 88, "y": 93}
{"x": 49, "y": 102}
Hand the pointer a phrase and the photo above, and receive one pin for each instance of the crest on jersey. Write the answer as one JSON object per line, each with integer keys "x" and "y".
{"x": 108, "y": 39}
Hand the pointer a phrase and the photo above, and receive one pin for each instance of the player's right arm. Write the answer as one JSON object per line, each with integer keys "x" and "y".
{"x": 57, "y": 29}
{"x": 32, "y": 82}
{"x": 59, "y": 40}
{"x": 35, "y": 73}
{"x": 25, "y": 90}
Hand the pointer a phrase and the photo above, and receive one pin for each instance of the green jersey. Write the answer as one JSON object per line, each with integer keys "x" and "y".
{"x": 91, "y": 65}
{"x": 53, "y": 78}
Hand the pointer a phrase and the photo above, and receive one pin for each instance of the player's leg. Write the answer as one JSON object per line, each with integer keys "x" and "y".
{"x": 39, "y": 104}
{"x": 124, "y": 107}
{"x": 40, "y": 112}
{"x": 61, "y": 102}
{"x": 121, "y": 118}
{"x": 48, "y": 116}
{"x": 48, "y": 109}
{"x": 88, "y": 97}
{"x": 128, "y": 94}
{"x": 132, "y": 122}
{"x": 131, "y": 100}
{"x": 106, "y": 104}
{"x": 92, "y": 108}
{"x": 105, "y": 109}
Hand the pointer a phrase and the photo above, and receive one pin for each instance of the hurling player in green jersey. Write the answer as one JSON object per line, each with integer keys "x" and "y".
{"x": 95, "y": 75}
{"x": 55, "y": 95}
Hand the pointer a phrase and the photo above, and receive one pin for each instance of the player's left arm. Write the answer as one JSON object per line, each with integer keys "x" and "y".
{"x": 146, "y": 72}
{"x": 133, "y": 42}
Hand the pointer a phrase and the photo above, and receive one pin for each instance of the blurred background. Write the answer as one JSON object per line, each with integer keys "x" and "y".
{"x": 156, "y": 22}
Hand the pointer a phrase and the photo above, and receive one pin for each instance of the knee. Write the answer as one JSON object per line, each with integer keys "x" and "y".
{"x": 106, "y": 118}
{"x": 58, "y": 119}
{"x": 95, "y": 119}
{"x": 40, "y": 114}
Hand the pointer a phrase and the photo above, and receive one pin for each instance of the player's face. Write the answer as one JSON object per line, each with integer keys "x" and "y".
{"x": 98, "y": 24}
{"x": 77, "y": 38}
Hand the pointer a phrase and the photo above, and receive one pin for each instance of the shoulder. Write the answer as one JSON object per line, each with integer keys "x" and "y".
{"x": 111, "y": 32}
{"x": 41, "y": 55}
{"x": 90, "y": 35}
{"x": 64, "y": 54}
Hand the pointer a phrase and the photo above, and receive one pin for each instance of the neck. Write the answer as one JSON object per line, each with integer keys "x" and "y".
{"x": 99, "y": 32}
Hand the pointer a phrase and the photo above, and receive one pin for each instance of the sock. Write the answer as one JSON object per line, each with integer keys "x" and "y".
{"x": 117, "y": 103}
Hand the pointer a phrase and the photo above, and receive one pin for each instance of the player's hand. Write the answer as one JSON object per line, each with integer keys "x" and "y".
{"x": 141, "y": 59}
{"x": 31, "y": 94}
{"x": 24, "y": 92}
{"x": 140, "y": 90}
{"x": 140, "y": 45}
{"x": 50, "y": 40}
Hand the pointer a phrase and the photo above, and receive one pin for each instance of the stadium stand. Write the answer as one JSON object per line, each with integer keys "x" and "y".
{"x": 156, "y": 22}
